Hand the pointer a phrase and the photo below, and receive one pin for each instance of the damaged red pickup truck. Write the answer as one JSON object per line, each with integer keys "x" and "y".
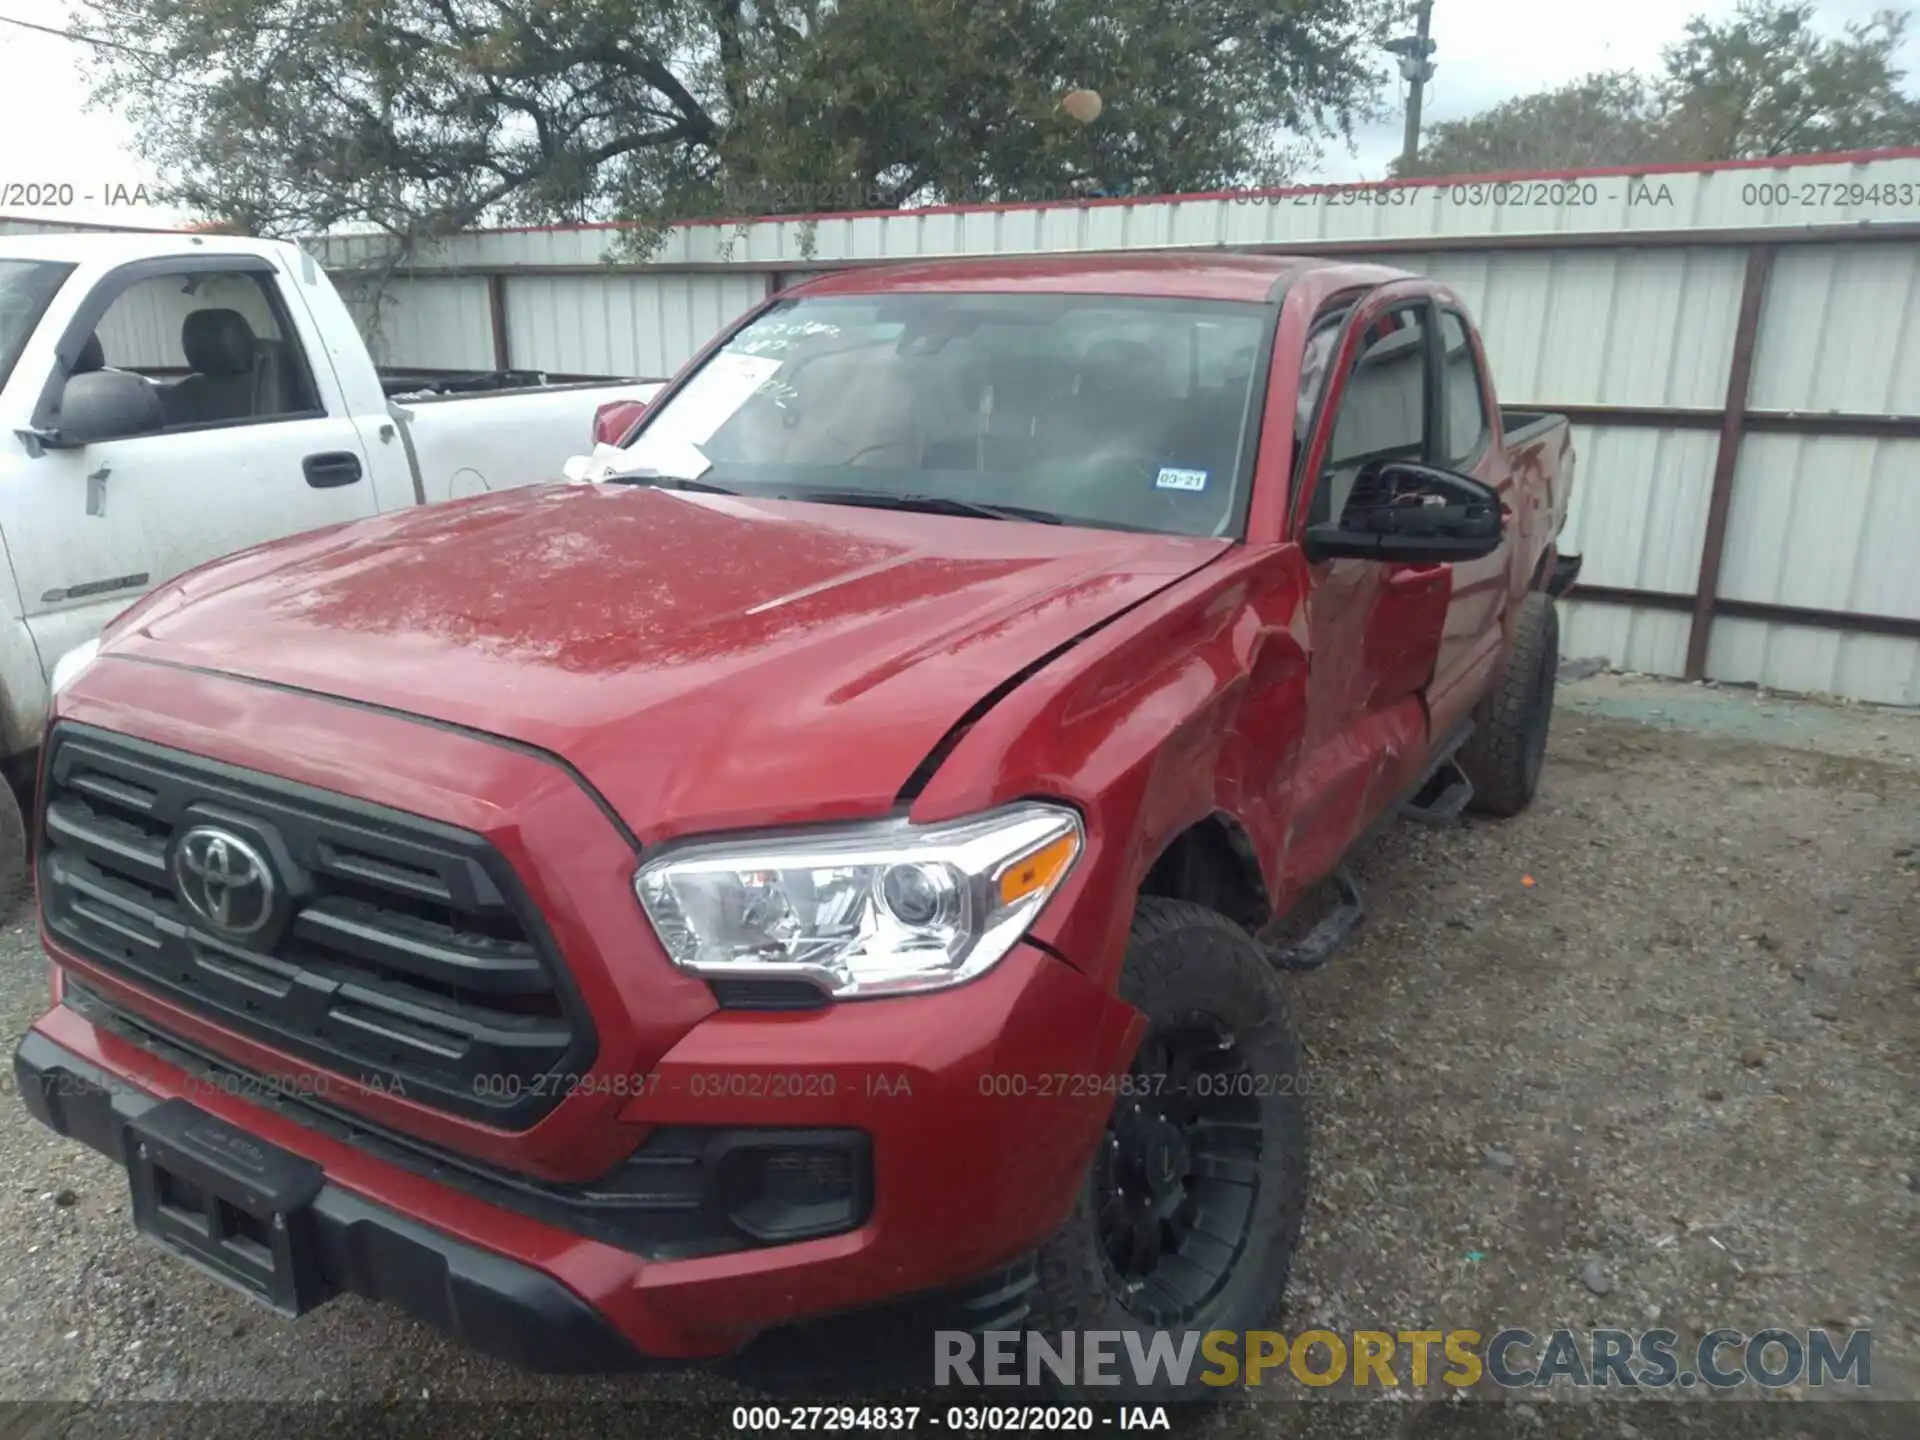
{"x": 817, "y": 870}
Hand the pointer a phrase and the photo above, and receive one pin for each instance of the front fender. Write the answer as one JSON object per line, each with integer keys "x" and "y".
{"x": 1190, "y": 706}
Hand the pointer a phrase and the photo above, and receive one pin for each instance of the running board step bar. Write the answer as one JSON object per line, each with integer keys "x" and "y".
{"x": 1444, "y": 797}
{"x": 1325, "y": 939}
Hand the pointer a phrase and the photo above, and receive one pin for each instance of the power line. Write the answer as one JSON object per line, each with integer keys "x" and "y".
{"x": 77, "y": 36}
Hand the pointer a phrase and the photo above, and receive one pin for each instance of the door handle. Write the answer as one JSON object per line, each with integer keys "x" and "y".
{"x": 335, "y": 467}
{"x": 1413, "y": 576}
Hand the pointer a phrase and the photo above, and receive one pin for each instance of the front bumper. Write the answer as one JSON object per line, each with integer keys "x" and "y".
{"x": 491, "y": 1303}
{"x": 968, "y": 1178}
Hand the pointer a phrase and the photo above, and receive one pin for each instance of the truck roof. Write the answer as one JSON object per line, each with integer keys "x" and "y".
{"x": 118, "y": 247}
{"x": 1187, "y": 276}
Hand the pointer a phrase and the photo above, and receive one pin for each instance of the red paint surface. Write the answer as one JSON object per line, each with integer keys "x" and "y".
{"x": 613, "y": 420}
{"x": 712, "y": 662}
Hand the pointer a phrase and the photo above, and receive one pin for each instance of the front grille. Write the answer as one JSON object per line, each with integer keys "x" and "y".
{"x": 392, "y": 949}
{"x": 671, "y": 1199}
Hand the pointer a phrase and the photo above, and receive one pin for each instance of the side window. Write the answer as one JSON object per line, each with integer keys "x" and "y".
{"x": 1466, "y": 408}
{"x": 216, "y": 345}
{"x": 1383, "y": 408}
{"x": 1322, "y": 341}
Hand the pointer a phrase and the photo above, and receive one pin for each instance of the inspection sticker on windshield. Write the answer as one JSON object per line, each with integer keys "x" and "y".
{"x": 1172, "y": 479}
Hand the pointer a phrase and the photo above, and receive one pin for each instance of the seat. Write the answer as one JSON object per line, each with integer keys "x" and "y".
{"x": 276, "y": 383}
{"x": 219, "y": 345}
{"x": 1117, "y": 406}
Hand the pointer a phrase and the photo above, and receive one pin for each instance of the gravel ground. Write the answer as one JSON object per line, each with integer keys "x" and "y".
{"x": 1645, "y": 1055}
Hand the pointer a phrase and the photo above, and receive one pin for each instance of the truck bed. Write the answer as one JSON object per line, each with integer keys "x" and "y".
{"x": 1521, "y": 426}
{"x": 499, "y": 438}
{"x": 421, "y": 385}
{"x": 1549, "y": 437}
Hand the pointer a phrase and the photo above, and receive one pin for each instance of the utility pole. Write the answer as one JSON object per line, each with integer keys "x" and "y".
{"x": 1416, "y": 69}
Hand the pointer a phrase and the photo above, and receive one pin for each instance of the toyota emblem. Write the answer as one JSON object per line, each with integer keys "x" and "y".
{"x": 224, "y": 880}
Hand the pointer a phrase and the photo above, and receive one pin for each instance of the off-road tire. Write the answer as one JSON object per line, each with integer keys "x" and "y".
{"x": 14, "y": 882}
{"x": 1185, "y": 961}
{"x": 1508, "y": 748}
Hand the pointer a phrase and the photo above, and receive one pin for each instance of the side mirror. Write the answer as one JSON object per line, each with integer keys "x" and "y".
{"x": 1411, "y": 515}
{"x": 105, "y": 405}
{"x": 613, "y": 420}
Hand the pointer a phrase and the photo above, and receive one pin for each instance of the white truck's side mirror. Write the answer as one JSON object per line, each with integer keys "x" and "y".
{"x": 104, "y": 405}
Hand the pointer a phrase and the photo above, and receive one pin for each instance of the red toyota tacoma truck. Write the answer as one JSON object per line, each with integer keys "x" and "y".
{"x": 824, "y": 867}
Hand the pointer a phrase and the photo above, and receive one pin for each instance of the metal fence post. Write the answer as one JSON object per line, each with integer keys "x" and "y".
{"x": 1733, "y": 426}
{"x": 497, "y": 318}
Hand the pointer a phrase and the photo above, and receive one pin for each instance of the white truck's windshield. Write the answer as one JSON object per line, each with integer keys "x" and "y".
{"x": 25, "y": 288}
{"x": 1088, "y": 410}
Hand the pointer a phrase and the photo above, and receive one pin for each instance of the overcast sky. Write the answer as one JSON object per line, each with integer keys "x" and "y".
{"x": 1489, "y": 50}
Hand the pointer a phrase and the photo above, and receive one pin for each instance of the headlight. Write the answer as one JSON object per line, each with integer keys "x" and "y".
{"x": 68, "y": 667}
{"x": 871, "y": 910}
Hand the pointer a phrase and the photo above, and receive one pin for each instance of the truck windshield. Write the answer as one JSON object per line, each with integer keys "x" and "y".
{"x": 25, "y": 288}
{"x": 1084, "y": 409}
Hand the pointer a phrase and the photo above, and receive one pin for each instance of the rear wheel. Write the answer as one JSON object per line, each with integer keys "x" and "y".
{"x": 1189, "y": 1215}
{"x": 1508, "y": 748}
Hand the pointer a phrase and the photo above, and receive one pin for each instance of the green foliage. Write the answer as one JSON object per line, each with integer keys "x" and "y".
{"x": 1607, "y": 118}
{"x": 425, "y": 116}
{"x": 1764, "y": 82}
{"x": 1767, "y": 83}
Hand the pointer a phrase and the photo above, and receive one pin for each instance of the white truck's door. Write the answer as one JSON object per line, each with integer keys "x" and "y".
{"x": 257, "y": 442}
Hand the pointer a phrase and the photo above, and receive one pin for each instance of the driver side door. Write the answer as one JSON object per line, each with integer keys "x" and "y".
{"x": 1375, "y": 626}
{"x": 243, "y": 458}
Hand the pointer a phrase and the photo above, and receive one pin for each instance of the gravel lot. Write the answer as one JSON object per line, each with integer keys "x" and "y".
{"x": 1647, "y": 1054}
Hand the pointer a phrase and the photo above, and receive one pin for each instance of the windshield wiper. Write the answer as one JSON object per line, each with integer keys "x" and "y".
{"x": 668, "y": 482}
{"x": 928, "y": 505}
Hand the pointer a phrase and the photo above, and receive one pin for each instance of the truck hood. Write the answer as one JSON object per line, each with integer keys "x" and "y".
{"x": 704, "y": 661}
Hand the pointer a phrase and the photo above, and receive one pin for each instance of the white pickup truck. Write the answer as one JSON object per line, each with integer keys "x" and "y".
{"x": 166, "y": 399}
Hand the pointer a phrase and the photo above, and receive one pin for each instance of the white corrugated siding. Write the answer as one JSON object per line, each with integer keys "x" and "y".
{"x": 1841, "y": 331}
{"x": 432, "y": 323}
{"x": 1601, "y": 327}
{"x": 1881, "y": 668}
{"x": 639, "y": 325}
{"x": 1787, "y": 196}
{"x": 1830, "y": 522}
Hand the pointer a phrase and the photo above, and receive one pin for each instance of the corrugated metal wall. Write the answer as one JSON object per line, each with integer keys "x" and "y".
{"x": 1621, "y": 205}
{"x": 1830, "y": 522}
{"x": 621, "y": 325}
{"x": 433, "y": 323}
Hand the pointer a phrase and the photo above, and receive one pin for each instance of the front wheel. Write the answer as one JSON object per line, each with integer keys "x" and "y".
{"x": 1190, "y": 1213}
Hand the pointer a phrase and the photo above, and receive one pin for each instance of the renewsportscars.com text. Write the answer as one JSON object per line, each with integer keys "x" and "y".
{"x": 1407, "y": 1359}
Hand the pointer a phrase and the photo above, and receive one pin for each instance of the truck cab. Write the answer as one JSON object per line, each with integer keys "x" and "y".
{"x": 825, "y": 860}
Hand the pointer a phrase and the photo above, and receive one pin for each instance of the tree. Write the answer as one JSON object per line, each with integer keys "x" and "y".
{"x": 1767, "y": 83}
{"x": 1764, "y": 82}
{"x": 425, "y": 116}
{"x": 1607, "y": 118}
